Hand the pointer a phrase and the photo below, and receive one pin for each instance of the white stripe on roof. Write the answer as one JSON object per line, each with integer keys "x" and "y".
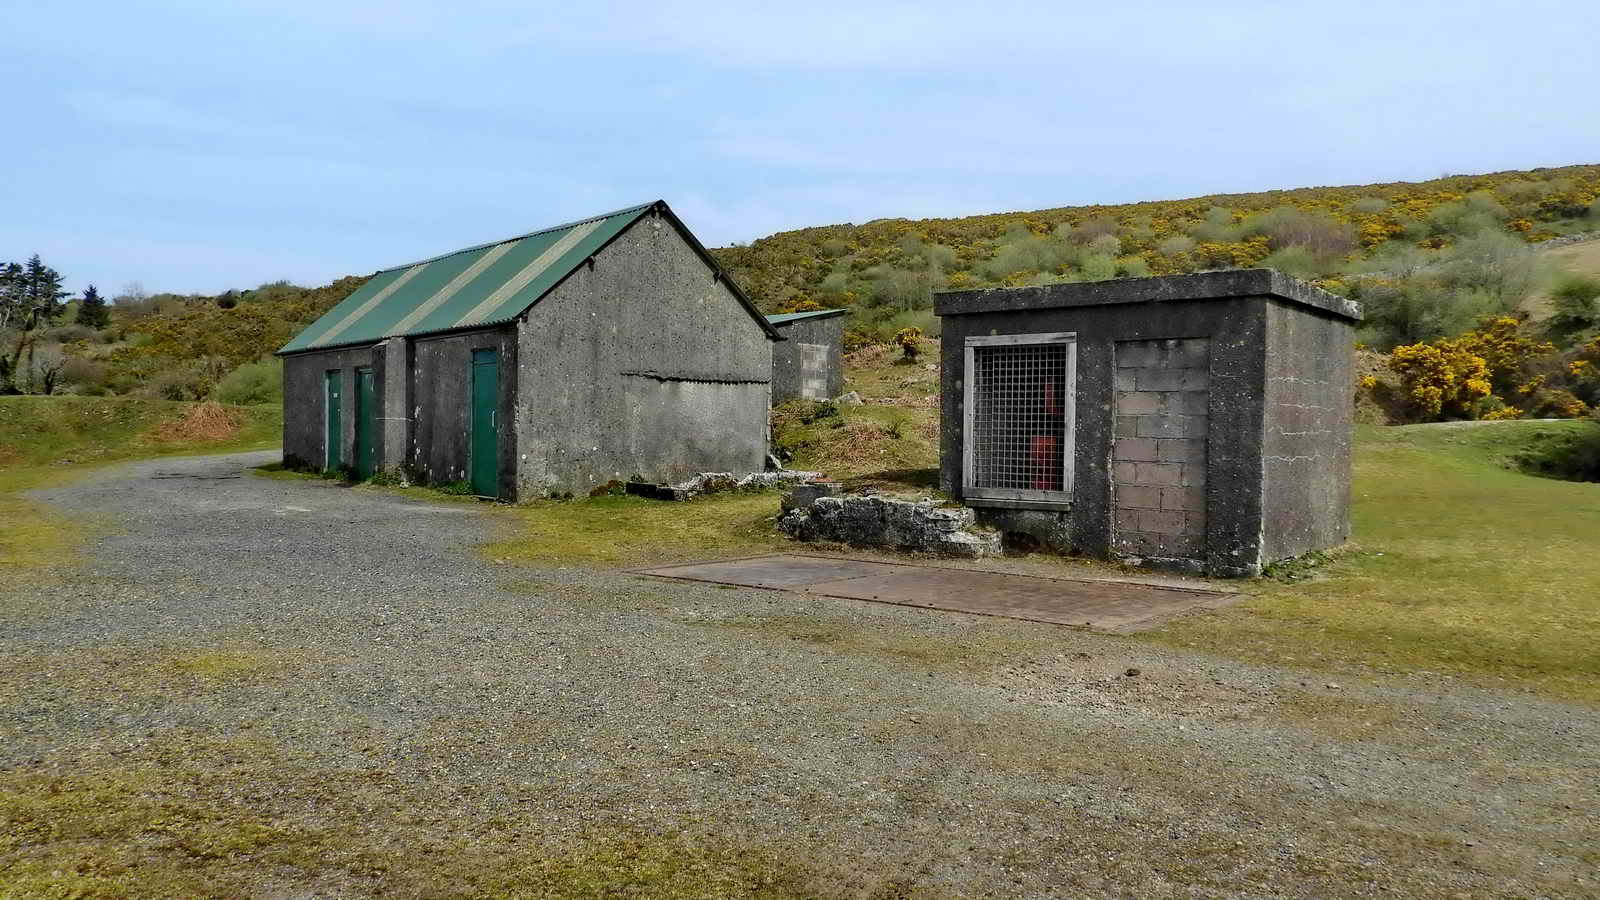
{"x": 450, "y": 290}
{"x": 363, "y": 309}
{"x": 529, "y": 272}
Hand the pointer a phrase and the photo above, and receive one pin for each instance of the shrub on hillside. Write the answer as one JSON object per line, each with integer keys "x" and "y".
{"x": 84, "y": 376}
{"x": 1574, "y": 458}
{"x": 1576, "y": 302}
{"x": 910, "y": 342}
{"x": 252, "y": 383}
{"x": 1317, "y": 232}
{"x": 1441, "y": 380}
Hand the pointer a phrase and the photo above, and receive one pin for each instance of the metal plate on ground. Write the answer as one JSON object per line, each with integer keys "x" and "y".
{"x": 1100, "y": 605}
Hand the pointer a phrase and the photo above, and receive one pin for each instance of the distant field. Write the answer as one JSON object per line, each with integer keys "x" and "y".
{"x": 1579, "y": 259}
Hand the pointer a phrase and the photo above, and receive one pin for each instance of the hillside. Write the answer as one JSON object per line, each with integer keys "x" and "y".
{"x": 1436, "y": 238}
{"x": 1429, "y": 260}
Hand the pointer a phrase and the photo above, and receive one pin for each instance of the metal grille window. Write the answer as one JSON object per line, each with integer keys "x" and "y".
{"x": 1019, "y": 417}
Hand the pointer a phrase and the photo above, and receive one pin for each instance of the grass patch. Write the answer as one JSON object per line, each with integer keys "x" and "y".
{"x": 197, "y": 816}
{"x": 223, "y": 665}
{"x": 1467, "y": 567}
{"x": 890, "y": 443}
{"x": 887, "y": 447}
{"x": 627, "y": 530}
{"x": 46, "y": 441}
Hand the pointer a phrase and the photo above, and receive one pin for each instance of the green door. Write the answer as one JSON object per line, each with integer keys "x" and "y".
{"x": 366, "y": 422}
{"x": 485, "y": 424}
{"x": 332, "y": 458}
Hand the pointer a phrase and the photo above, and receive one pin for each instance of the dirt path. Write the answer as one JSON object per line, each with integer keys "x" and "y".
{"x": 338, "y": 669}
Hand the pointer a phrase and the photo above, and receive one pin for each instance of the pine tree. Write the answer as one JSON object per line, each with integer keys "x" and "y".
{"x": 11, "y": 294}
{"x": 38, "y": 296}
{"x": 42, "y": 293}
{"x": 92, "y": 309}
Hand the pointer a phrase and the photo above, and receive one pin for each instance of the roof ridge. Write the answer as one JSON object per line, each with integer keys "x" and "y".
{"x": 573, "y": 224}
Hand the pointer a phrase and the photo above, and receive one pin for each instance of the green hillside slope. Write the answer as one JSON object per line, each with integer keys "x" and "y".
{"x": 1344, "y": 237}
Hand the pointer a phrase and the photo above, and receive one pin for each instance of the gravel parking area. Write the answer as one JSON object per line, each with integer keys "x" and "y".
{"x": 342, "y": 663}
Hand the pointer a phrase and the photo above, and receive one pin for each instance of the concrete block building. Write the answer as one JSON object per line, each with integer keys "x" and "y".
{"x": 1198, "y": 423}
{"x": 810, "y": 361}
{"x": 612, "y": 348}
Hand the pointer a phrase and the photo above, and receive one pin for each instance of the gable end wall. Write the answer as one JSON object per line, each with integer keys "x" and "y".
{"x": 639, "y": 364}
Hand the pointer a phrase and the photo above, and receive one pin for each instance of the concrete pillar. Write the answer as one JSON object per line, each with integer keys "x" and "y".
{"x": 396, "y": 402}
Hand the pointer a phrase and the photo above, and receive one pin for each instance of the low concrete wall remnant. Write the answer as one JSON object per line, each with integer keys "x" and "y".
{"x": 718, "y": 483}
{"x": 918, "y": 526}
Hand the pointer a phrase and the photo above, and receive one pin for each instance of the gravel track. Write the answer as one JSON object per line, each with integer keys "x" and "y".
{"x": 354, "y": 632}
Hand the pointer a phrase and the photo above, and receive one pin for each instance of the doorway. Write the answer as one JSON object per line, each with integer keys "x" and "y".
{"x": 485, "y": 453}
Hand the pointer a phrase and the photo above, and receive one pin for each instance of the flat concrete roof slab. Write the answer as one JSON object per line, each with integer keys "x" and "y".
{"x": 1099, "y": 605}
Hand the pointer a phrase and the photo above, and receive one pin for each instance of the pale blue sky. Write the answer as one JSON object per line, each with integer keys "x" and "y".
{"x": 198, "y": 146}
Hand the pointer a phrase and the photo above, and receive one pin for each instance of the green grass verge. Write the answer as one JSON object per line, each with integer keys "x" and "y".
{"x": 46, "y": 441}
{"x": 612, "y": 530}
{"x": 1464, "y": 566}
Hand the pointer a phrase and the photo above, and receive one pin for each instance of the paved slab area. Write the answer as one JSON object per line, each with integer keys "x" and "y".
{"x": 1116, "y": 606}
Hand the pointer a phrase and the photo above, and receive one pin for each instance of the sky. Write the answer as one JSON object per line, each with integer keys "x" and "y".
{"x": 202, "y": 146}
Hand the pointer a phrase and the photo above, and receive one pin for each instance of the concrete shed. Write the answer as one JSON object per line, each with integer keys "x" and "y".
{"x": 612, "y": 348}
{"x": 810, "y": 361}
{"x": 1197, "y": 423}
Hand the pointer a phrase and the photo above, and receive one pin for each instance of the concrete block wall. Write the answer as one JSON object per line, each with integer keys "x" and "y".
{"x": 1159, "y": 450}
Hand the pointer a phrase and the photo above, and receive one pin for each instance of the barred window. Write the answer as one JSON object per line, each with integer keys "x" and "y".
{"x": 1019, "y": 392}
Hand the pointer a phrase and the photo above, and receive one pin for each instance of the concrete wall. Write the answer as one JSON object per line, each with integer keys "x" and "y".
{"x": 1274, "y": 419}
{"x": 1158, "y": 457}
{"x": 787, "y": 356}
{"x": 1235, "y": 326}
{"x": 1306, "y": 448}
{"x": 305, "y": 407}
{"x": 441, "y": 395}
{"x": 641, "y": 364}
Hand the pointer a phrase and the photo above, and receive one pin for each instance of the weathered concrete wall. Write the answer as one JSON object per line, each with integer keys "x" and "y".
{"x": 441, "y": 394}
{"x": 1306, "y": 449}
{"x": 1235, "y": 326}
{"x": 641, "y": 366}
{"x": 1030, "y": 529}
{"x": 392, "y": 365}
{"x": 305, "y": 408}
{"x": 1299, "y": 459}
{"x": 1158, "y": 458}
{"x": 788, "y": 357}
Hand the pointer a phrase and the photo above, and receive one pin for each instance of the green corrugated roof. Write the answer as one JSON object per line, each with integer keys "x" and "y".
{"x": 782, "y": 318}
{"x": 482, "y": 285}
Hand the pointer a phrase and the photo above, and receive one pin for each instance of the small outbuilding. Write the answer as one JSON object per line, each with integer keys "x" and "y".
{"x": 612, "y": 348}
{"x": 810, "y": 361}
{"x": 1199, "y": 423}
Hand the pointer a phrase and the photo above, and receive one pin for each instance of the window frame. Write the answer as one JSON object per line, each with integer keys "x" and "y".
{"x": 969, "y": 489}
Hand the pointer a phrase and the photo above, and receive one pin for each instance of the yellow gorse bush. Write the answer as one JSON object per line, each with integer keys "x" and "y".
{"x": 1442, "y": 378}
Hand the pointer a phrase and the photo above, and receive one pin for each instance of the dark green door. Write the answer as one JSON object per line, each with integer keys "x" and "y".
{"x": 366, "y": 423}
{"x": 332, "y": 440}
{"x": 485, "y": 424}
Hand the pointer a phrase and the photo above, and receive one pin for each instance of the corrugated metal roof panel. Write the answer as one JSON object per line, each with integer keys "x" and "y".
{"x": 785, "y": 318}
{"x": 480, "y": 285}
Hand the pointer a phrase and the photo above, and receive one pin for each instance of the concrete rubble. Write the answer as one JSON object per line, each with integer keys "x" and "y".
{"x": 918, "y": 526}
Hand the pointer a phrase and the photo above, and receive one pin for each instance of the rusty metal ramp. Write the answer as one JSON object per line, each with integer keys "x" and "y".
{"x": 1101, "y": 605}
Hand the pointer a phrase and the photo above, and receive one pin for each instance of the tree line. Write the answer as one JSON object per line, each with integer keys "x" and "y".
{"x": 32, "y": 300}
